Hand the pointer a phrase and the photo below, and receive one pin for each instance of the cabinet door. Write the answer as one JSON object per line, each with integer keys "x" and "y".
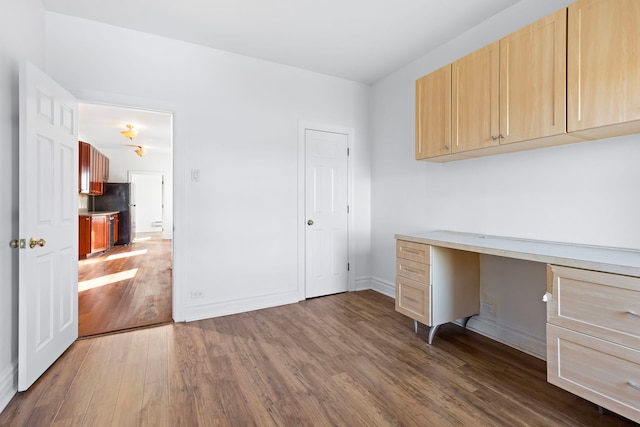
{"x": 105, "y": 168}
{"x": 84, "y": 236}
{"x": 99, "y": 233}
{"x": 84, "y": 171}
{"x": 603, "y": 63}
{"x": 92, "y": 170}
{"x": 475, "y": 90}
{"x": 115, "y": 229}
{"x": 533, "y": 80}
{"x": 433, "y": 114}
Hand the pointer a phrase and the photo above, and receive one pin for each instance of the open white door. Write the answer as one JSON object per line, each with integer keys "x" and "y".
{"x": 48, "y": 217}
{"x": 327, "y": 237}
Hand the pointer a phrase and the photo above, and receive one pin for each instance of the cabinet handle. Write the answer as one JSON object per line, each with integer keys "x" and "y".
{"x": 418, "y": 302}
{"x": 493, "y": 137}
{"x": 446, "y": 147}
{"x": 412, "y": 251}
{"x": 633, "y": 313}
{"x": 411, "y": 270}
{"x": 633, "y": 385}
{"x": 502, "y": 136}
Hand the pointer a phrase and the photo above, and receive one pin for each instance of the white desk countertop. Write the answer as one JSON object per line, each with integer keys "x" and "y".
{"x": 599, "y": 258}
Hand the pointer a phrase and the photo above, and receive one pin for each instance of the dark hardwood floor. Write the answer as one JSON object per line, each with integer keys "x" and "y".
{"x": 342, "y": 360}
{"x": 126, "y": 287}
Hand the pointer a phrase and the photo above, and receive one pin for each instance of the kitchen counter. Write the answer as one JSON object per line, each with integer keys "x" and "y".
{"x": 599, "y": 258}
{"x": 97, "y": 213}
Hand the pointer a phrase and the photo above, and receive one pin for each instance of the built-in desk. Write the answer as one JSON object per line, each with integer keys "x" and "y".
{"x": 593, "y": 304}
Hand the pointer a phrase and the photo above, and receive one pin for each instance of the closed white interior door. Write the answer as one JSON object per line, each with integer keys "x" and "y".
{"x": 326, "y": 208}
{"x": 148, "y": 188}
{"x": 48, "y": 217}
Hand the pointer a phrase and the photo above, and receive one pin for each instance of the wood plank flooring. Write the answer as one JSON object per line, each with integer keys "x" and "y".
{"x": 128, "y": 287}
{"x": 342, "y": 360}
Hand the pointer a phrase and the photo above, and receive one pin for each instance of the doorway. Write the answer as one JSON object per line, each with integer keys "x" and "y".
{"x": 130, "y": 285}
{"x": 147, "y": 200}
{"x": 324, "y": 187}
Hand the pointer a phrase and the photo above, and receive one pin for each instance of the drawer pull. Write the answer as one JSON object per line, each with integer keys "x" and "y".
{"x": 633, "y": 313}
{"x": 418, "y": 302}
{"x": 633, "y": 385}
{"x": 412, "y": 251}
{"x": 411, "y": 270}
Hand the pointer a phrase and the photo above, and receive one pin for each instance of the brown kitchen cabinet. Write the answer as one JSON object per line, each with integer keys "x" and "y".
{"x": 93, "y": 169}
{"x": 93, "y": 234}
{"x": 115, "y": 229}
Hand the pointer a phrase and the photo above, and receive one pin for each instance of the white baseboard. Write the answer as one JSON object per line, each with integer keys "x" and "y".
{"x": 527, "y": 343}
{"x": 535, "y": 346}
{"x": 8, "y": 384}
{"x": 216, "y": 309}
{"x": 383, "y": 287}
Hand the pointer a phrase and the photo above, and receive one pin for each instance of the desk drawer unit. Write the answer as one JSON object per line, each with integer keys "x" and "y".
{"x": 593, "y": 337}
{"x": 413, "y": 291}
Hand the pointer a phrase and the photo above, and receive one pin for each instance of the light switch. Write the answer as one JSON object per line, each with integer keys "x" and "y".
{"x": 195, "y": 174}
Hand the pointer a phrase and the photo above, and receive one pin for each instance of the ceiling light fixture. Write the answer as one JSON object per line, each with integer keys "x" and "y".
{"x": 140, "y": 151}
{"x": 130, "y": 132}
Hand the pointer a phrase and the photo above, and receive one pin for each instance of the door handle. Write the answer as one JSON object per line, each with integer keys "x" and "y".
{"x": 33, "y": 243}
{"x": 310, "y": 222}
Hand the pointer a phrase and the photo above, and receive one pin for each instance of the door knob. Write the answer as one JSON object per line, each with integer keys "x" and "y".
{"x": 33, "y": 243}
{"x": 310, "y": 222}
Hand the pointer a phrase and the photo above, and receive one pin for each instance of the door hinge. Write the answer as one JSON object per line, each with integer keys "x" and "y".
{"x": 347, "y": 151}
{"x": 347, "y": 208}
{"x": 348, "y": 267}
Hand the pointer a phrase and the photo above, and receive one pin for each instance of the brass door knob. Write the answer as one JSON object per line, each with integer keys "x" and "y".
{"x": 310, "y": 222}
{"x": 33, "y": 243}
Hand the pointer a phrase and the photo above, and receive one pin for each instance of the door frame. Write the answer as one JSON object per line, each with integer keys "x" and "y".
{"x": 177, "y": 178}
{"x": 303, "y": 126}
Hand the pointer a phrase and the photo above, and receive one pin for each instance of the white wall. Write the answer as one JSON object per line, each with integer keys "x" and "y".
{"x": 583, "y": 193}
{"x": 235, "y": 119}
{"x": 21, "y": 37}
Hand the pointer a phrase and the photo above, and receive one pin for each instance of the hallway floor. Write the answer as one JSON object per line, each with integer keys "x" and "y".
{"x": 126, "y": 287}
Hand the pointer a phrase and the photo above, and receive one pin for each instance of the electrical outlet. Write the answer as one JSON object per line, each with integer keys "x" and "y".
{"x": 488, "y": 310}
{"x": 197, "y": 294}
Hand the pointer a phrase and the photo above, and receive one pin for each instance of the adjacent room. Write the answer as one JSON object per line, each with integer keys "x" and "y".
{"x": 336, "y": 213}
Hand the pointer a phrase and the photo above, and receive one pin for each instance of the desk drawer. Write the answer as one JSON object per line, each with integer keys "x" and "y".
{"x": 604, "y": 373}
{"x": 413, "y": 299}
{"x": 413, "y": 270}
{"x": 604, "y": 305}
{"x": 417, "y": 252}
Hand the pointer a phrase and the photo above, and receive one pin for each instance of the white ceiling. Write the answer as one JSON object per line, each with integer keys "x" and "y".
{"x": 360, "y": 40}
{"x": 101, "y": 125}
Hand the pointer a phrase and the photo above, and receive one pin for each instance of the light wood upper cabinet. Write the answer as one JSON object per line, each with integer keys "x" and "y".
{"x": 603, "y": 67}
{"x": 433, "y": 114}
{"x": 533, "y": 80}
{"x": 513, "y": 90}
{"x": 475, "y": 91}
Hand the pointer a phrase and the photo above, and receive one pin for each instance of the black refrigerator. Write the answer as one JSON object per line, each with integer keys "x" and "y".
{"x": 116, "y": 196}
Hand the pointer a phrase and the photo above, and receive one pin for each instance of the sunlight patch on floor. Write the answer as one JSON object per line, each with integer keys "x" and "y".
{"x": 107, "y": 280}
{"x": 126, "y": 254}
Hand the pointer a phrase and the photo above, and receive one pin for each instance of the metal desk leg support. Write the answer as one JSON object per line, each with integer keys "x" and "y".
{"x": 465, "y": 321}
{"x": 432, "y": 333}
